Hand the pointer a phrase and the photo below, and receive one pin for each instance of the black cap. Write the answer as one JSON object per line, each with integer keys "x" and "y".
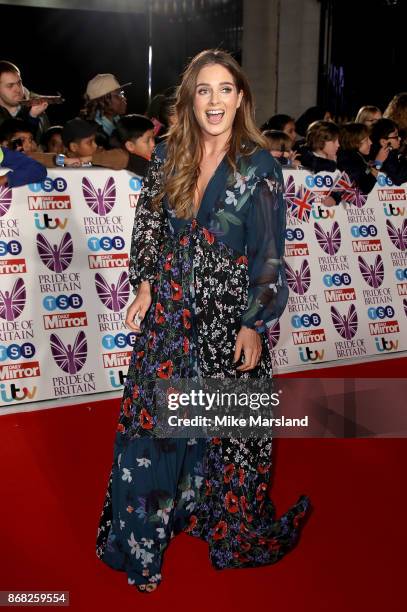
{"x": 76, "y": 129}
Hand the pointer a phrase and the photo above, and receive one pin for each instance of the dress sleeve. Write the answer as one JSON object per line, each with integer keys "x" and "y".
{"x": 268, "y": 290}
{"x": 148, "y": 229}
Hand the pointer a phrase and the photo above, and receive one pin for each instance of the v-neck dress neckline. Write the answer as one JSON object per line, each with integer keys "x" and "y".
{"x": 213, "y": 186}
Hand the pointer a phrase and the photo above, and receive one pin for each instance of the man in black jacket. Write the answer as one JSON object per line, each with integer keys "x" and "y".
{"x": 11, "y": 94}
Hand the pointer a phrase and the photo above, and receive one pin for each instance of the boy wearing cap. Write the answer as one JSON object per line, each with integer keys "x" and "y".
{"x": 78, "y": 137}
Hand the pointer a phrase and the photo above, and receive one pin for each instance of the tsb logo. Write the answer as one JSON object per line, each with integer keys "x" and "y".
{"x": 62, "y": 302}
{"x": 381, "y": 312}
{"x": 294, "y": 234}
{"x": 48, "y": 185}
{"x": 337, "y": 280}
{"x": 106, "y": 243}
{"x": 135, "y": 183}
{"x": 10, "y": 248}
{"x": 319, "y": 181}
{"x": 401, "y": 274}
{"x": 363, "y": 231}
{"x": 119, "y": 340}
{"x": 306, "y": 320}
{"x": 16, "y": 351}
{"x": 384, "y": 181}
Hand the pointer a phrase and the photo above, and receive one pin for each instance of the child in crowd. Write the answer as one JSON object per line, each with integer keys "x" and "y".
{"x": 397, "y": 112}
{"x": 385, "y": 151}
{"x": 18, "y": 135}
{"x": 353, "y": 155}
{"x": 161, "y": 112}
{"x": 136, "y": 136}
{"x": 318, "y": 154}
{"x": 311, "y": 115}
{"x": 282, "y": 123}
{"x": 368, "y": 115}
{"x": 78, "y": 137}
{"x": 22, "y": 169}
{"x": 281, "y": 148}
{"x": 51, "y": 141}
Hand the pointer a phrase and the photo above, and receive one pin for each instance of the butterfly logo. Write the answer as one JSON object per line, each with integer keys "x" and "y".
{"x": 289, "y": 190}
{"x": 273, "y": 334}
{"x": 350, "y": 191}
{"x": 299, "y": 280}
{"x": 329, "y": 241}
{"x": 345, "y": 325}
{"x": 70, "y": 359}
{"x": 398, "y": 236}
{"x": 374, "y": 274}
{"x": 12, "y": 302}
{"x": 113, "y": 296}
{"x": 56, "y": 258}
{"x": 6, "y": 195}
{"x": 99, "y": 201}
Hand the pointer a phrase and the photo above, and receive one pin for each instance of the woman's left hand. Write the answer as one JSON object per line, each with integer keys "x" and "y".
{"x": 249, "y": 342}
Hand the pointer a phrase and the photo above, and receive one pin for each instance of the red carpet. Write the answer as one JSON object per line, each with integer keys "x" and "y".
{"x": 54, "y": 466}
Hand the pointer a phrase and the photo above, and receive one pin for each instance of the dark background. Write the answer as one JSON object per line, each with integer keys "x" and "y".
{"x": 60, "y": 50}
{"x": 362, "y": 49}
{"x": 367, "y": 42}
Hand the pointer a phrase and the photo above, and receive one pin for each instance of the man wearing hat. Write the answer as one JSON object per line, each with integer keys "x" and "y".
{"x": 105, "y": 102}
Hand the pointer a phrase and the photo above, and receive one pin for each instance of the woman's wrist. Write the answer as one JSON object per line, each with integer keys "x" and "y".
{"x": 143, "y": 287}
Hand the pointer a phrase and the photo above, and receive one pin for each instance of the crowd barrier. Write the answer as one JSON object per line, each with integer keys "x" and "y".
{"x": 64, "y": 248}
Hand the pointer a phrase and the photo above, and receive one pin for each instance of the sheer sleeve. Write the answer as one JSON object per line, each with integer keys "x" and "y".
{"x": 268, "y": 290}
{"x": 148, "y": 229}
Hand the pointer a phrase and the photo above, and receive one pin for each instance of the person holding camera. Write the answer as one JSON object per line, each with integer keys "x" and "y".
{"x": 385, "y": 151}
{"x": 18, "y": 135}
{"x": 13, "y": 93}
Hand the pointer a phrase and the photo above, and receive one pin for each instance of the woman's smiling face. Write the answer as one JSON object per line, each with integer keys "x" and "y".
{"x": 216, "y": 100}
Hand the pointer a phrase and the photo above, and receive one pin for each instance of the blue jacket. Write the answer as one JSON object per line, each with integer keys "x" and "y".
{"x": 23, "y": 169}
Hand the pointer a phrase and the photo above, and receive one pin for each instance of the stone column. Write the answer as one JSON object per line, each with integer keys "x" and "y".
{"x": 280, "y": 54}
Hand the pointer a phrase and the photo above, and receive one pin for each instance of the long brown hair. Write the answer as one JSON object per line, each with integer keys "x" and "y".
{"x": 184, "y": 150}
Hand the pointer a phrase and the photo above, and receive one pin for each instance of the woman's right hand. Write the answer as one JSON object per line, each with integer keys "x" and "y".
{"x": 140, "y": 305}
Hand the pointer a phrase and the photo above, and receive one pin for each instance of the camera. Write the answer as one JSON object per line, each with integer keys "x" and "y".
{"x": 15, "y": 143}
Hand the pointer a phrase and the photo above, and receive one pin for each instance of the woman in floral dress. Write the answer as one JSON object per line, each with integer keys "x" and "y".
{"x": 206, "y": 267}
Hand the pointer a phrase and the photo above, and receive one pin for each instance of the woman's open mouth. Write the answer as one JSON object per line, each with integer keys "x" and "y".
{"x": 215, "y": 116}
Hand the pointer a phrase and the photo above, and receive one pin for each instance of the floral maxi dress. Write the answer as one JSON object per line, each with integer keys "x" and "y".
{"x": 209, "y": 276}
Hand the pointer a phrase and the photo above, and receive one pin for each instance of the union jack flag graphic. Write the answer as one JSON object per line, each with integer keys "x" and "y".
{"x": 301, "y": 204}
{"x": 350, "y": 191}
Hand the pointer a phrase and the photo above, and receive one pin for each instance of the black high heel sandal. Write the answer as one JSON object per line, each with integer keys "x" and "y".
{"x": 146, "y": 588}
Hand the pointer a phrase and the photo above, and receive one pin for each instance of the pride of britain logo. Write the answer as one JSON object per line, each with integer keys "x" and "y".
{"x": 69, "y": 357}
{"x": 100, "y": 201}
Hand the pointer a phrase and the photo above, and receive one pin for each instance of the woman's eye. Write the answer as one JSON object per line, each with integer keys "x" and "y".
{"x": 202, "y": 91}
{"x": 226, "y": 89}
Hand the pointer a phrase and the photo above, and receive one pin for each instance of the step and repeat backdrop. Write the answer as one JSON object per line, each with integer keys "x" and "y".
{"x": 64, "y": 247}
